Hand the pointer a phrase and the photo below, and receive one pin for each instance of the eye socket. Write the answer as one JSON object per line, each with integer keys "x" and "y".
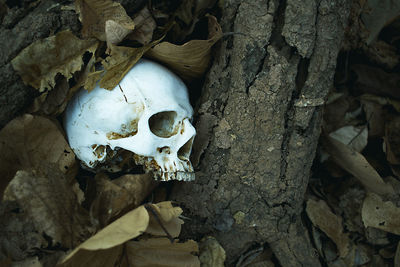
{"x": 163, "y": 124}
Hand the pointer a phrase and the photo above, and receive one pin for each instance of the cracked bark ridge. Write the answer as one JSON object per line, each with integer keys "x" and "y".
{"x": 259, "y": 123}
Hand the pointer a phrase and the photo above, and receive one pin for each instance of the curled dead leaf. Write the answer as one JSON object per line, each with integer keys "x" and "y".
{"x": 191, "y": 59}
{"x": 39, "y": 63}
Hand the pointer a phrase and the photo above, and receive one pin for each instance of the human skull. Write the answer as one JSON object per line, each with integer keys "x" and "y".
{"x": 148, "y": 113}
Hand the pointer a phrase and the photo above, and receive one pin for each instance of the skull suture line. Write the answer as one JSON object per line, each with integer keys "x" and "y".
{"x": 148, "y": 113}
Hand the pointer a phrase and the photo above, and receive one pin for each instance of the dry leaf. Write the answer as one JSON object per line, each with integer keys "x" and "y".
{"x": 39, "y": 63}
{"x": 168, "y": 216}
{"x": 54, "y": 102}
{"x": 374, "y": 80}
{"x": 145, "y": 25}
{"x": 121, "y": 60}
{"x": 49, "y": 201}
{"x": 380, "y": 214}
{"x": 129, "y": 226}
{"x": 357, "y": 165}
{"x": 330, "y": 223}
{"x": 191, "y": 59}
{"x": 382, "y": 101}
{"x": 94, "y": 258}
{"x": 104, "y": 19}
{"x": 108, "y": 241}
{"x": 397, "y": 256}
{"x": 18, "y": 234}
{"x": 28, "y": 142}
{"x": 378, "y": 14}
{"x": 392, "y": 140}
{"x": 212, "y": 254}
{"x": 121, "y": 194}
{"x": 161, "y": 252}
{"x": 374, "y": 114}
{"x": 351, "y": 136}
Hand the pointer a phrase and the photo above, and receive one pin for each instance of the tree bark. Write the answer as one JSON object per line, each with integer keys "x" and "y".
{"x": 258, "y": 125}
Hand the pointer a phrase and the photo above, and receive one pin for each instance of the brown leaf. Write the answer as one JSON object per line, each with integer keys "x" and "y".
{"x": 375, "y": 117}
{"x": 392, "y": 140}
{"x": 161, "y": 252}
{"x": 18, "y": 234}
{"x": 357, "y": 165}
{"x": 39, "y": 63}
{"x": 121, "y": 60}
{"x": 191, "y": 59}
{"x": 397, "y": 256}
{"x": 116, "y": 196}
{"x": 380, "y": 214}
{"x": 50, "y": 202}
{"x": 54, "y": 102}
{"x": 145, "y": 25}
{"x": 376, "y": 81}
{"x": 330, "y": 223}
{"x": 377, "y": 15}
{"x": 104, "y": 19}
{"x": 28, "y": 142}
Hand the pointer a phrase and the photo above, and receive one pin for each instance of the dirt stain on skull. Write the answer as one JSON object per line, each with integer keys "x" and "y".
{"x": 126, "y": 131}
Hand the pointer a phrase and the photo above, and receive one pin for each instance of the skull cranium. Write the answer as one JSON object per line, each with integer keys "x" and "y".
{"x": 148, "y": 113}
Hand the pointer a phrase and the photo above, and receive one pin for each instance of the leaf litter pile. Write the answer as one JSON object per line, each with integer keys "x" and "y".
{"x": 54, "y": 213}
{"x": 353, "y": 199}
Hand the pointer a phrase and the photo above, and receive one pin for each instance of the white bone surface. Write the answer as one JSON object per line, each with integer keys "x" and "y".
{"x": 119, "y": 118}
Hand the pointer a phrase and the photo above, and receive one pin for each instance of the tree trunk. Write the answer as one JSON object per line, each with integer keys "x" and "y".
{"x": 258, "y": 125}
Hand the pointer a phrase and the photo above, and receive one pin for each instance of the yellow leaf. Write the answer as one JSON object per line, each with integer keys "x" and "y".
{"x": 39, "y": 63}
{"x": 191, "y": 59}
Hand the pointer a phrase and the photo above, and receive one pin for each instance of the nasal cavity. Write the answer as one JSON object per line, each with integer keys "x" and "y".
{"x": 184, "y": 151}
{"x": 163, "y": 124}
